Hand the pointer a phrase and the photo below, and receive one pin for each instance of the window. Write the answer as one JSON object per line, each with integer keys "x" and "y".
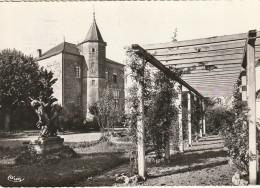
{"x": 93, "y": 82}
{"x": 116, "y": 94}
{"x": 78, "y": 71}
{"x": 79, "y": 100}
{"x": 93, "y": 50}
{"x": 114, "y": 78}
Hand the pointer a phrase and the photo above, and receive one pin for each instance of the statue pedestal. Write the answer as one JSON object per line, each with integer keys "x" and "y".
{"x": 46, "y": 144}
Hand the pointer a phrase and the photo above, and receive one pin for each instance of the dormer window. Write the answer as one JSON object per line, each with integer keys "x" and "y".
{"x": 78, "y": 71}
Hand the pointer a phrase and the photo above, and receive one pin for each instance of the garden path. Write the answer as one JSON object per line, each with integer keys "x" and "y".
{"x": 204, "y": 163}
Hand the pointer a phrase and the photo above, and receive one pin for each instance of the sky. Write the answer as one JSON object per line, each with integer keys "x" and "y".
{"x": 31, "y": 26}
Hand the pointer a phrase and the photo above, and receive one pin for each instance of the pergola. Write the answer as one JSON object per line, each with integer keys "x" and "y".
{"x": 211, "y": 67}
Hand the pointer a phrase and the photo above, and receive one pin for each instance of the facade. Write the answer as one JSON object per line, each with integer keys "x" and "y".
{"x": 83, "y": 72}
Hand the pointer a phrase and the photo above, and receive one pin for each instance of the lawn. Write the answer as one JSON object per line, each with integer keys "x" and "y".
{"x": 90, "y": 161}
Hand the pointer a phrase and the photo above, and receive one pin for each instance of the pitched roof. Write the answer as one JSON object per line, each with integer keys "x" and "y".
{"x": 62, "y": 47}
{"x": 94, "y": 34}
{"x": 114, "y": 62}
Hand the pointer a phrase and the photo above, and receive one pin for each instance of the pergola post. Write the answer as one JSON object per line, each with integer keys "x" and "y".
{"x": 201, "y": 122}
{"x": 189, "y": 118}
{"x": 181, "y": 145}
{"x": 203, "y": 117}
{"x": 243, "y": 83}
{"x": 141, "y": 131}
{"x": 251, "y": 89}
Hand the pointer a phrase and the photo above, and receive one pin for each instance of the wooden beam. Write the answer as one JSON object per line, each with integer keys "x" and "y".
{"x": 210, "y": 79}
{"x": 141, "y": 132}
{"x": 202, "y": 64}
{"x": 219, "y": 94}
{"x": 244, "y": 84}
{"x": 200, "y": 54}
{"x": 215, "y": 76}
{"x": 169, "y": 60}
{"x": 181, "y": 143}
{"x": 189, "y": 119}
{"x": 251, "y": 89}
{"x": 213, "y": 84}
{"x": 148, "y": 57}
{"x": 210, "y": 40}
{"x": 203, "y": 117}
{"x": 211, "y": 74}
{"x": 212, "y": 90}
{"x": 196, "y": 49}
{"x": 216, "y": 70}
{"x": 205, "y": 80}
{"x": 217, "y": 67}
{"x": 200, "y": 122}
{"x": 199, "y": 42}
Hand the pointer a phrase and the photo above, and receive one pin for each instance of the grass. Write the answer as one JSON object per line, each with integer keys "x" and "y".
{"x": 92, "y": 161}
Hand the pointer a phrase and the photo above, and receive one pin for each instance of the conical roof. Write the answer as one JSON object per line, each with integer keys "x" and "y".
{"x": 94, "y": 34}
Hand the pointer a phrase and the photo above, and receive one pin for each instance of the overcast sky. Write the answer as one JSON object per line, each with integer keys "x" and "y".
{"x": 31, "y": 26}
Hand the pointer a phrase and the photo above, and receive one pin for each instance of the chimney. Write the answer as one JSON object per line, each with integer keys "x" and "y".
{"x": 39, "y": 52}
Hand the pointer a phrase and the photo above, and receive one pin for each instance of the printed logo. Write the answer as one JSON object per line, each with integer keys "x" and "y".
{"x": 14, "y": 179}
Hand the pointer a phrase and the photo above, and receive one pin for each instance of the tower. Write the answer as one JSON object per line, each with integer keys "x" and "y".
{"x": 93, "y": 48}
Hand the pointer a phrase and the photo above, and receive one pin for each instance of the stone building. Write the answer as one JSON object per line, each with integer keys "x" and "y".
{"x": 83, "y": 71}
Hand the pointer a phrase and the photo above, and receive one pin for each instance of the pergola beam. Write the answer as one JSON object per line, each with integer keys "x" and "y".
{"x": 148, "y": 57}
{"x": 202, "y": 71}
{"x": 169, "y": 60}
{"x": 209, "y": 40}
{"x": 217, "y": 67}
{"x": 212, "y": 84}
{"x": 214, "y": 79}
{"x": 212, "y": 73}
{"x": 201, "y": 54}
{"x": 196, "y": 49}
{"x": 233, "y": 61}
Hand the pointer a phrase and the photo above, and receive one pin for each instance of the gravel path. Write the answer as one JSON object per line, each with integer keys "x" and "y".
{"x": 79, "y": 137}
{"x": 204, "y": 163}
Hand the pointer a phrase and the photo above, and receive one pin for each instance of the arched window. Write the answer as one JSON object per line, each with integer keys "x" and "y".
{"x": 78, "y": 71}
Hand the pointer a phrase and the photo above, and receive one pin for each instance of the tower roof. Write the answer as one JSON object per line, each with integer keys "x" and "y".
{"x": 94, "y": 34}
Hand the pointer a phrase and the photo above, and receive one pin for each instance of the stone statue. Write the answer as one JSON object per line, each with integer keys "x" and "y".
{"x": 48, "y": 115}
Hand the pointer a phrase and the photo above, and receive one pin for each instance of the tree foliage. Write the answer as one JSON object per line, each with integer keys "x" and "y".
{"x": 236, "y": 132}
{"x": 163, "y": 113}
{"x": 160, "y": 113}
{"x": 21, "y": 81}
{"x": 107, "y": 114}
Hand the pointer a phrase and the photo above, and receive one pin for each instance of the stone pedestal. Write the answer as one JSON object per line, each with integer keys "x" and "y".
{"x": 46, "y": 144}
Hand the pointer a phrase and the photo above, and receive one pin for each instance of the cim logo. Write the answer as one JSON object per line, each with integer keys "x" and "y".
{"x": 14, "y": 179}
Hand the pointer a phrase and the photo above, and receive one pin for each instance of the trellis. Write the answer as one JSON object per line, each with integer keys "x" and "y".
{"x": 211, "y": 67}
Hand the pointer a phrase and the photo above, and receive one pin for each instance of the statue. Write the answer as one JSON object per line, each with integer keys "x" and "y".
{"x": 48, "y": 115}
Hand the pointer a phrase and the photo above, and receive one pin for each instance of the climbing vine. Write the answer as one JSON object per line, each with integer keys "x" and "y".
{"x": 160, "y": 113}
{"x": 235, "y": 131}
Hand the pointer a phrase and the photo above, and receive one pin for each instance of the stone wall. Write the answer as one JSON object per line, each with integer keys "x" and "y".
{"x": 54, "y": 64}
{"x": 73, "y": 84}
{"x": 114, "y": 68}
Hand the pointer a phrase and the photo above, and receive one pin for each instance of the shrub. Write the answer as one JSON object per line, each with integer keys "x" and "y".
{"x": 236, "y": 133}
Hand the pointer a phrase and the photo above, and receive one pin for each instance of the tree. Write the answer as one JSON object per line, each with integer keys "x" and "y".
{"x": 107, "y": 114}
{"x": 21, "y": 81}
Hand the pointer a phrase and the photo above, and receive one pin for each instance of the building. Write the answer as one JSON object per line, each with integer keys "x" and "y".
{"x": 83, "y": 71}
